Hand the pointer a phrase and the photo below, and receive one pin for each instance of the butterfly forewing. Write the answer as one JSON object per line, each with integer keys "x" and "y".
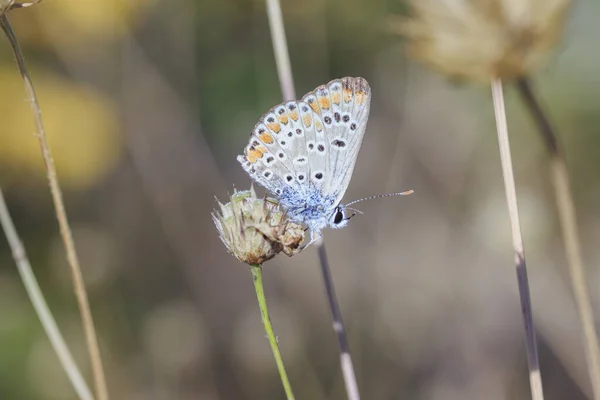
{"x": 357, "y": 101}
{"x": 343, "y": 105}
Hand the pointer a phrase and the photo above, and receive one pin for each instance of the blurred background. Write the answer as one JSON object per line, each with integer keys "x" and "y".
{"x": 148, "y": 103}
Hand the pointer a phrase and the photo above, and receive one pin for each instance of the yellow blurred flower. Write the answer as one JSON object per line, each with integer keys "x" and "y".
{"x": 481, "y": 39}
{"x": 76, "y": 22}
{"x": 81, "y": 125}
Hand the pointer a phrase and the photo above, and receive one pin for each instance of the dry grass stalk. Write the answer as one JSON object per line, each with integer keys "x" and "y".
{"x": 39, "y": 304}
{"x": 282, "y": 56}
{"x": 568, "y": 222}
{"x": 65, "y": 229}
{"x": 535, "y": 378}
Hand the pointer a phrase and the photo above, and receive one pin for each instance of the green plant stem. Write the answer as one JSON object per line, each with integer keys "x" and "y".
{"x": 568, "y": 222}
{"x": 535, "y": 378}
{"x": 264, "y": 313}
{"x": 39, "y": 304}
{"x": 61, "y": 215}
{"x": 286, "y": 81}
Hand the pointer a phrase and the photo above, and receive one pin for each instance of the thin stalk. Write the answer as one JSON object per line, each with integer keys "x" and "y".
{"x": 264, "y": 313}
{"x": 535, "y": 378}
{"x": 39, "y": 304}
{"x": 338, "y": 325}
{"x": 65, "y": 229}
{"x": 282, "y": 57}
{"x": 568, "y": 222}
{"x": 286, "y": 81}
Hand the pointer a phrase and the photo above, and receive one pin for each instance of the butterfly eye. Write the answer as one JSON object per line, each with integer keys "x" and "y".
{"x": 339, "y": 216}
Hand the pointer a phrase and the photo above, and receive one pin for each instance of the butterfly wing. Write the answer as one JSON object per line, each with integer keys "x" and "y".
{"x": 342, "y": 109}
{"x": 305, "y": 151}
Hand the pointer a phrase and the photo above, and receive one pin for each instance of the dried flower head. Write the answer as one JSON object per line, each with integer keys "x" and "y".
{"x": 255, "y": 230}
{"x": 484, "y": 39}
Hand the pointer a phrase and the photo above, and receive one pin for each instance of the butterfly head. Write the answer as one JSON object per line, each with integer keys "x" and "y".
{"x": 340, "y": 217}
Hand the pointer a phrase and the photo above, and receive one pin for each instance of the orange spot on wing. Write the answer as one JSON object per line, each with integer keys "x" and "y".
{"x": 319, "y": 126}
{"x": 262, "y": 149}
{"x": 314, "y": 106}
{"x": 294, "y": 115}
{"x": 336, "y": 97}
{"x": 254, "y": 155}
{"x": 325, "y": 103}
{"x": 307, "y": 119}
{"x": 283, "y": 119}
{"x": 347, "y": 95}
{"x": 267, "y": 138}
{"x": 275, "y": 127}
{"x": 361, "y": 97}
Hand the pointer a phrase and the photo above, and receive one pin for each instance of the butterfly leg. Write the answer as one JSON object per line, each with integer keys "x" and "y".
{"x": 314, "y": 236}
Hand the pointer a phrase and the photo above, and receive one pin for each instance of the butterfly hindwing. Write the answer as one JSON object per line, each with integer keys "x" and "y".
{"x": 297, "y": 152}
{"x": 266, "y": 158}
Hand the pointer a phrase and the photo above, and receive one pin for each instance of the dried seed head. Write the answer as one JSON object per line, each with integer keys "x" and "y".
{"x": 255, "y": 230}
{"x": 484, "y": 39}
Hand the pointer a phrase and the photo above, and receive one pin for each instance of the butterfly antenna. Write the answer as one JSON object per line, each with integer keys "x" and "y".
{"x": 380, "y": 196}
{"x": 355, "y": 210}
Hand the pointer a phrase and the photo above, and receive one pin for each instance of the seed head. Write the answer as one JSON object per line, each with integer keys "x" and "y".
{"x": 255, "y": 229}
{"x": 484, "y": 39}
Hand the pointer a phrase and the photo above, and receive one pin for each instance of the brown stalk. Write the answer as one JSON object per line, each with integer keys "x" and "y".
{"x": 65, "y": 229}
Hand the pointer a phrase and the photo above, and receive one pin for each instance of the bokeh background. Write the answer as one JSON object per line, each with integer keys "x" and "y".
{"x": 147, "y": 104}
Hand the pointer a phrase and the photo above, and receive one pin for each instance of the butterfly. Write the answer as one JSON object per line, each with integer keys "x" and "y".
{"x": 304, "y": 151}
